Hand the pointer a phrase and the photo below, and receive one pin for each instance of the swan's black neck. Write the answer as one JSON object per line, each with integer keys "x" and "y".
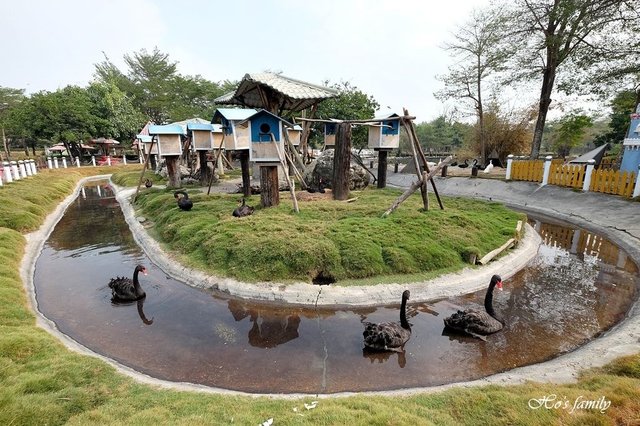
{"x": 136, "y": 284}
{"x": 403, "y": 314}
{"x": 488, "y": 301}
{"x": 183, "y": 193}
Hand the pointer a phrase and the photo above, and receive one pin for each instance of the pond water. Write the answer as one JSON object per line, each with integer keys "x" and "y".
{"x": 579, "y": 286}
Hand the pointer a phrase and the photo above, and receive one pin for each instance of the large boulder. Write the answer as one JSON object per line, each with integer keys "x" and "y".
{"x": 322, "y": 167}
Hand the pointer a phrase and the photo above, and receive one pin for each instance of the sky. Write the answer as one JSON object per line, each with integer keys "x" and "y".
{"x": 392, "y": 51}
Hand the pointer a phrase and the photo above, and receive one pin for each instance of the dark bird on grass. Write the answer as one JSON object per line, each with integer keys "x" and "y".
{"x": 389, "y": 336}
{"x": 464, "y": 165}
{"x": 126, "y": 289}
{"x": 243, "y": 210}
{"x": 183, "y": 200}
{"x": 317, "y": 188}
{"x": 478, "y": 323}
{"x": 148, "y": 183}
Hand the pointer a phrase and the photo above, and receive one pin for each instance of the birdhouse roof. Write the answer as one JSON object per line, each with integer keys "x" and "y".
{"x": 264, "y": 111}
{"x": 234, "y": 114}
{"x": 200, "y": 126}
{"x": 392, "y": 115}
{"x": 166, "y": 129}
{"x": 144, "y": 138}
{"x": 285, "y": 92}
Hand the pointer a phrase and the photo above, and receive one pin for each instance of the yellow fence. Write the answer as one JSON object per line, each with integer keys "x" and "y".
{"x": 613, "y": 182}
{"x": 572, "y": 176}
{"x": 529, "y": 170}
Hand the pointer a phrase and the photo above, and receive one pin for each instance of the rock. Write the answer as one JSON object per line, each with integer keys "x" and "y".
{"x": 322, "y": 167}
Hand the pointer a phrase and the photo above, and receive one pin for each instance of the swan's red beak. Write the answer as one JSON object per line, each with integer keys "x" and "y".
{"x": 144, "y": 271}
{"x": 499, "y": 285}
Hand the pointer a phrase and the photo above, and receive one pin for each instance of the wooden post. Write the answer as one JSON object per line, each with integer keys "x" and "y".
{"x": 173, "y": 171}
{"x": 215, "y": 163}
{"x": 269, "y": 188}
{"x": 144, "y": 168}
{"x": 205, "y": 171}
{"x": 290, "y": 182}
{"x": 246, "y": 179}
{"x": 382, "y": 168}
{"x": 342, "y": 162}
{"x": 295, "y": 156}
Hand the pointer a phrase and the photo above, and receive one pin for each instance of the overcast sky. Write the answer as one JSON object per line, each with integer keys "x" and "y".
{"x": 389, "y": 49}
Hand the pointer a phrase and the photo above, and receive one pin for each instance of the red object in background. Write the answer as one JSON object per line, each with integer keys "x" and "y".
{"x": 102, "y": 160}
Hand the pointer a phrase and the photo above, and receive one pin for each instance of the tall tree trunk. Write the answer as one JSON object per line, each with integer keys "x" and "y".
{"x": 205, "y": 171}
{"x": 246, "y": 179}
{"x": 342, "y": 162}
{"x": 382, "y": 168}
{"x": 548, "y": 80}
{"x": 483, "y": 152}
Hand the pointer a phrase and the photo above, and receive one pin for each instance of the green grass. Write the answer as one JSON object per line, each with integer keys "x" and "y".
{"x": 348, "y": 241}
{"x": 42, "y": 382}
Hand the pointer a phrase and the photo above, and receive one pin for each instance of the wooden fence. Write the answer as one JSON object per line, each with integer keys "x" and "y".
{"x": 527, "y": 170}
{"x": 613, "y": 182}
{"x": 566, "y": 175}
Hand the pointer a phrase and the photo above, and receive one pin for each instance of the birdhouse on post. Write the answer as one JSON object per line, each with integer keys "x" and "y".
{"x": 267, "y": 138}
{"x": 235, "y": 137}
{"x": 201, "y": 136}
{"x": 330, "y": 134}
{"x": 294, "y": 133}
{"x": 169, "y": 140}
{"x": 145, "y": 142}
{"x": 386, "y": 135}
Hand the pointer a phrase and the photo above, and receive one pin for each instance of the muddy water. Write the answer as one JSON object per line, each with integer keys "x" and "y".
{"x": 579, "y": 286}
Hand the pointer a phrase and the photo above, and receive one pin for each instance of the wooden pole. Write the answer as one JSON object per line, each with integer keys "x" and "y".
{"x": 144, "y": 168}
{"x": 246, "y": 179}
{"x": 296, "y": 156}
{"x": 342, "y": 162}
{"x": 382, "y": 168}
{"x": 215, "y": 163}
{"x": 409, "y": 126}
{"x": 269, "y": 190}
{"x": 415, "y": 185}
{"x": 173, "y": 170}
{"x": 423, "y": 188}
{"x": 291, "y": 184}
{"x": 204, "y": 168}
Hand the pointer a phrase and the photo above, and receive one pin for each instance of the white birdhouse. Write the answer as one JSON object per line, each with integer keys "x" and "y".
{"x": 236, "y": 135}
{"x": 386, "y": 134}
{"x": 169, "y": 138}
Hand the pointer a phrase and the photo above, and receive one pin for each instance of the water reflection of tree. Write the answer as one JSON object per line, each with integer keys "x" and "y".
{"x": 270, "y": 327}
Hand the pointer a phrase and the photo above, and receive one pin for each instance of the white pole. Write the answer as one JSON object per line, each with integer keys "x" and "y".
{"x": 55, "y": 162}
{"x": 124, "y": 159}
{"x": 27, "y": 167}
{"x": 64, "y": 162}
{"x": 547, "y": 168}
{"x": 636, "y": 190}
{"x": 49, "y": 163}
{"x": 6, "y": 171}
{"x": 21, "y": 169}
{"x": 108, "y": 160}
{"x": 84, "y": 193}
{"x": 588, "y": 174}
{"x": 78, "y": 161}
{"x": 509, "y": 163}
{"x": 14, "y": 170}
{"x": 93, "y": 160}
{"x": 34, "y": 169}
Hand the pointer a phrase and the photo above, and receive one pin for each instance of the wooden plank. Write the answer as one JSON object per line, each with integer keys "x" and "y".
{"x": 493, "y": 253}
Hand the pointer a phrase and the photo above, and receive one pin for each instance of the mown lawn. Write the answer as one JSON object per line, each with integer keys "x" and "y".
{"x": 42, "y": 382}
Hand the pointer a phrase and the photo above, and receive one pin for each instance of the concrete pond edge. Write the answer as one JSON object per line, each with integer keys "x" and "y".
{"x": 623, "y": 339}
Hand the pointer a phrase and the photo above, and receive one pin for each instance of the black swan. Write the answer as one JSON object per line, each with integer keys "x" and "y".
{"x": 125, "y": 289}
{"x": 243, "y": 210}
{"x": 317, "y": 188}
{"x": 464, "y": 165}
{"x": 389, "y": 336}
{"x": 477, "y": 323}
{"x": 183, "y": 202}
{"x": 148, "y": 183}
{"x": 143, "y": 317}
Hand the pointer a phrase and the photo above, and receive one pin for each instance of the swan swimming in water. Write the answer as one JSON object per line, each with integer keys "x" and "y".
{"x": 389, "y": 336}
{"x": 478, "y": 323}
{"x": 126, "y": 289}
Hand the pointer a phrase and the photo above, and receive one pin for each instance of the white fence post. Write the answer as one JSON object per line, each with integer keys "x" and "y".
{"x": 6, "y": 171}
{"x": 78, "y": 161}
{"x": 21, "y": 169}
{"x": 55, "y": 163}
{"x": 93, "y": 160}
{"x": 34, "y": 169}
{"x": 636, "y": 190}
{"x": 588, "y": 174}
{"x": 64, "y": 162}
{"x": 108, "y": 160}
{"x": 140, "y": 158}
{"x": 124, "y": 159}
{"x": 14, "y": 170}
{"x": 27, "y": 167}
{"x": 49, "y": 163}
{"x": 547, "y": 169}
{"x": 509, "y": 163}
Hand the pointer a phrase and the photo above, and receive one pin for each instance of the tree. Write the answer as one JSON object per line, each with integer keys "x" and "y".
{"x": 351, "y": 104}
{"x": 550, "y": 34}
{"x": 9, "y": 99}
{"x": 568, "y": 132}
{"x": 622, "y": 105}
{"x": 479, "y": 54}
{"x": 442, "y": 133}
{"x": 114, "y": 112}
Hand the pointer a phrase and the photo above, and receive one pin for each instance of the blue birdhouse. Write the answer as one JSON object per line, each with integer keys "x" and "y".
{"x": 266, "y": 136}
{"x": 236, "y": 136}
{"x": 168, "y": 138}
{"x": 330, "y": 134}
{"x": 386, "y": 134}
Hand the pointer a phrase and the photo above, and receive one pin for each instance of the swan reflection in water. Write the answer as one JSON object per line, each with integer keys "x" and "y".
{"x": 140, "y": 305}
{"x": 383, "y": 356}
{"x": 270, "y": 327}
